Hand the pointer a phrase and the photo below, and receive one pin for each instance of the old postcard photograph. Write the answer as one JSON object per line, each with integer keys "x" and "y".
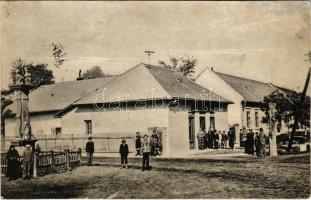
{"x": 155, "y": 99}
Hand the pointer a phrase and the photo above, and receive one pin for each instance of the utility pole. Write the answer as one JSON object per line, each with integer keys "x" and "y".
{"x": 298, "y": 111}
{"x": 149, "y": 54}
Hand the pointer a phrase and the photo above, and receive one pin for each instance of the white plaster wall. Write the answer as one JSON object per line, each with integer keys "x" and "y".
{"x": 252, "y": 115}
{"x": 43, "y": 124}
{"x": 211, "y": 81}
{"x": 40, "y": 125}
{"x": 221, "y": 121}
{"x": 234, "y": 114}
{"x": 113, "y": 123}
{"x": 178, "y": 131}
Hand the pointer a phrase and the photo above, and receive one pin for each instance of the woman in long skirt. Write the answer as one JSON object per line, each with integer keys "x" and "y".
{"x": 13, "y": 163}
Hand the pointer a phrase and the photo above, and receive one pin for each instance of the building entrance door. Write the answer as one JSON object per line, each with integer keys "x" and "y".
{"x": 191, "y": 132}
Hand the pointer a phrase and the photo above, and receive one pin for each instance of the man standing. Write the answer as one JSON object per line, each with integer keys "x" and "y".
{"x": 124, "y": 151}
{"x": 89, "y": 150}
{"x": 224, "y": 139}
{"x": 251, "y": 142}
{"x": 261, "y": 143}
{"x": 257, "y": 144}
{"x": 213, "y": 137}
{"x": 231, "y": 136}
{"x": 27, "y": 161}
{"x": 145, "y": 150}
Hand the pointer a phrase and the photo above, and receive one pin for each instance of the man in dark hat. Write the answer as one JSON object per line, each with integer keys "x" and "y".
{"x": 12, "y": 157}
{"x": 89, "y": 150}
{"x": 231, "y": 136}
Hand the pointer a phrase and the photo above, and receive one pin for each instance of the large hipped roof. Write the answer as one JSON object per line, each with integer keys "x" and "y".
{"x": 55, "y": 97}
{"x": 145, "y": 82}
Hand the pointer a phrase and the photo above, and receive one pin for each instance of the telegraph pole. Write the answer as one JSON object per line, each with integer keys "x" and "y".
{"x": 297, "y": 111}
{"x": 149, "y": 54}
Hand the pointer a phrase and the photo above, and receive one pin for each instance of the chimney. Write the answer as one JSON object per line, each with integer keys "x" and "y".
{"x": 79, "y": 77}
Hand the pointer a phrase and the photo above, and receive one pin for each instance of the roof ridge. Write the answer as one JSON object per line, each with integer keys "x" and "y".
{"x": 240, "y": 77}
{"x": 109, "y": 82}
{"x": 201, "y": 72}
{"x": 191, "y": 87}
{"x": 74, "y": 81}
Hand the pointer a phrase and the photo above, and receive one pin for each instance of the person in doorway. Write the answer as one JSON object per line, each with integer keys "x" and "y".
{"x": 154, "y": 140}
{"x": 124, "y": 151}
{"x": 231, "y": 136}
{"x": 145, "y": 150}
{"x": 90, "y": 151}
{"x": 27, "y": 161}
{"x": 138, "y": 143}
{"x": 12, "y": 157}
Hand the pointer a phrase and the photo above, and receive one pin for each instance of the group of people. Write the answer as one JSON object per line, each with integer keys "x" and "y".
{"x": 254, "y": 142}
{"x": 214, "y": 139}
{"x": 155, "y": 144}
{"x": 14, "y": 162}
{"x": 144, "y": 146}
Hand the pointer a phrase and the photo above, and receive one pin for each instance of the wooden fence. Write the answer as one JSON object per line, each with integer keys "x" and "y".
{"x": 103, "y": 144}
{"x": 47, "y": 162}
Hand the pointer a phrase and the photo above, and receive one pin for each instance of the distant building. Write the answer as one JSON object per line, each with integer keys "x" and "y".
{"x": 142, "y": 99}
{"x": 246, "y": 94}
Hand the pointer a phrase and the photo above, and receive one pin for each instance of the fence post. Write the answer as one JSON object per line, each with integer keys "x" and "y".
{"x": 67, "y": 159}
{"x": 46, "y": 142}
{"x": 72, "y": 141}
{"x": 107, "y": 144}
{"x": 80, "y": 152}
{"x": 35, "y": 156}
{"x": 53, "y": 161}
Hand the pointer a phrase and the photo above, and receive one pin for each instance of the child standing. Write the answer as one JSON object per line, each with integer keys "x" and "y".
{"x": 124, "y": 151}
{"x": 138, "y": 143}
{"x": 145, "y": 150}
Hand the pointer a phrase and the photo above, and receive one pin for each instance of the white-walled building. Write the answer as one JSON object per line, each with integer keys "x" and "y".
{"x": 246, "y": 94}
{"x": 142, "y": 99}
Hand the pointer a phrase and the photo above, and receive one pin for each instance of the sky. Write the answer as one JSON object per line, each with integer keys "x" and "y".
{"x": 265, "y": 41}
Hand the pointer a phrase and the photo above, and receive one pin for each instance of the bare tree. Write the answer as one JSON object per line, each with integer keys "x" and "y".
{"x": 185, "y": 66}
